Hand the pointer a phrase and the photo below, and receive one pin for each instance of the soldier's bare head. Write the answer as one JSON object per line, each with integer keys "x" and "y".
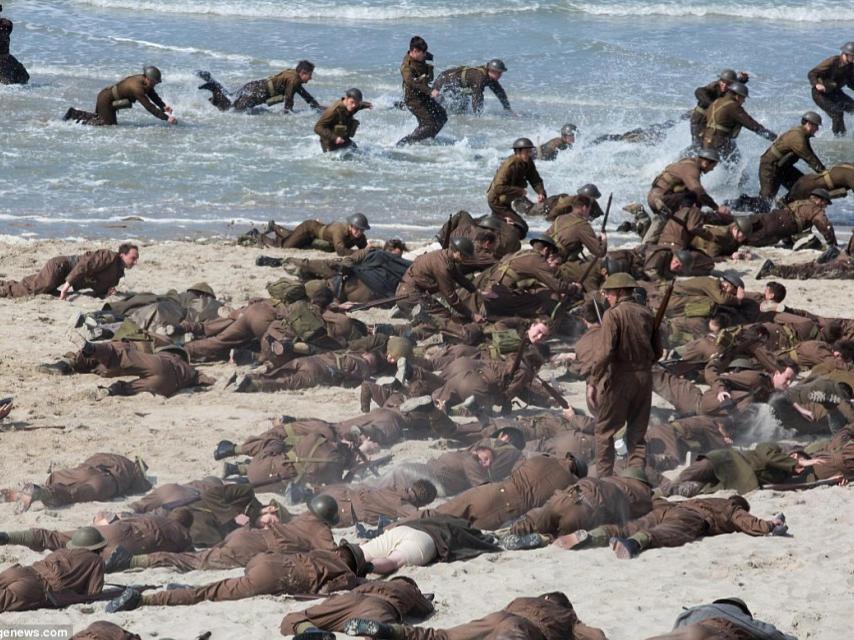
{"x": 129, "y": 254}
{"x": 418, "y": 48}
{"x": 423, "y": 492}
{"x": 305, "y": 70}
{"x": 538, "y": 332}
{"x": 484, "y": 456}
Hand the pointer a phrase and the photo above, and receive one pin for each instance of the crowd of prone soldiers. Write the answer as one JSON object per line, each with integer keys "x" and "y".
{"x": 476, "y": 321}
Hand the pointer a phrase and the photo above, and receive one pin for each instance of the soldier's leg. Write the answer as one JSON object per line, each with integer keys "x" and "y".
{"x": 302, "y": 235}
{"x": 185, "y": 561}
{"x": 769, "y": 182}
{"x": 431, "y": 118}
{"x": 830, "y": 104}
{"x": 39, "y": 539}
{"x": 104, "y": 108}
{"x": 678, "y": 527}
{"x": 251, "y": 94}
{"x": 219, "y": 96}
{"x": 612, "y": 415}
{"x": 21, "y": 589}
{"x": 640, "y": 405}
{"x": 684, "y": 395}
{"x": 699, "y": 471}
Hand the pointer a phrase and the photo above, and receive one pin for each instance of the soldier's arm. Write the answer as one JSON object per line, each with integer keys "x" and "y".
{"x": 695, "y": 227}
{"x": 417, "y": 84}
{"x": 609, "y": 336}
{"x": 712, "y": 374}
{"x": 156, "y": 99}
{"x": 501, "y": 94}
{"x": 590, "y": 240}
{"x": 305, "y": 95}
{"x": 152, "y": 108}
{"x": 825, "y": 227}
{"x": 89, "y": 265}
{"x": 816, "y": 75}
{"x": 449, "y": 291}
{"x": 805, "y": 152}
{"x": 744, "y": 522}
{"x": 693, "y": 184}
{"x": 535, "y": 180}
{"x": 746, "y": 121}
{"x": 477, "y": 88}
{"x": 323, "y": 126}
{"x": 339, "y": 241}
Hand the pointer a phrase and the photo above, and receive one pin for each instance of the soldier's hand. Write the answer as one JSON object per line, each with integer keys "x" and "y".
{"x": 340, "y": 140}
{"x": 739, "y": 293}
{"x": 541, "y": 197}
{"x": 479, "y": 318}
{"x": 434, "y": 93}
{"x": 820, "y": 88}
{"x": 172, "y": 120}
{"x": 167, "y": 109}
{"x": 241, "y": 519}
{"x": 723, "y": 396}
{"x": 112, "y": 291}
{"x": 6, "y": 409}
{"x": 724, "y": 210}
{"x": 64, "y": 290}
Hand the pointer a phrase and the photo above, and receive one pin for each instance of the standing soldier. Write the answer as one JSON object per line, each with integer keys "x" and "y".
{"x": 548, "y": 150}
{"x": 777, "y": 165}
{"x": 623, "y": 396}
{"x": 417, "y": 75}
{"x": 511, "y": 181}
{"x": 459, "y": 84}
{"x": 337, "y": 126}
{"x": 280, "y": 87}
{"x": 725, "y": 118}
{"x": 706, "y": 95}
{"x": 669, "y": 187}
{"x": 122, "y": 95}
{"x": 828, "y": 80}
{"x": 11, "y": 71}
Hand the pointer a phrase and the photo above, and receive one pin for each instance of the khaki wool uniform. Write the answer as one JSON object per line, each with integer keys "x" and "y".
{"x": 589, "y": 503}
{"x": 777, "y": 164}
{"x": 725, "y": 118}
{"x": 630, "y": 346}
{"x": 529, "y": 486}
{"x": 98, "y": 270}
{"x": 682, "y": 227}
{"x": 571, "y": 232}
{"x": 162, "y": 374}
{"x": 79, "y": 571}
{"x": 485, "y": 380}
{"x": 369, "y": 503}
{"x": 835, "y": 75}
{"x": 717, "y": 242}
{"x": 336, "y": 233}
{"x": 670, "y": 185}
{"x": 302, "y": 534}
{"x": 435, "y": 273}
{"x": 460, "y": 84}
{"x": 279, "y": 87}
{"x": 11, "y": 70}
{"x": 705, "y": 95}
{"x": 214, "y": 506}
{"x": 746, "y": 387}
{"x": 334, "y": 369}
{"x": 271, "y": 574}
{"x": 99, "y": 478}
{"x": 389, "y": 601}
{"x": 838, "y": 180}
{"x": 840, "y": 269}
{"x": 136, "y": 534}
{"x": 510, "y": 182}
{"x": 337, "y": 122}
{"x": 311, "y": 459}
{"x": 103, "y": 630}
{"x": 431, "y": 117}
{"x": 550, "y": 149}
{"x": 127, "y": 91}
{"x": 238, "y": 330}
{"x": 562, "y": 203}
{"x": 742, "y": 471}
{"x": 672, "y": 524}
{"x": 530, "y": 618}
{"x": 520, "y": 284}
{"x": 508, "y": 238}
{"x": 795, "y": 217}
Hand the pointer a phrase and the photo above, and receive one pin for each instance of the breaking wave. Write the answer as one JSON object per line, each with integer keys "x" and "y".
{"x": 755, "y": 10}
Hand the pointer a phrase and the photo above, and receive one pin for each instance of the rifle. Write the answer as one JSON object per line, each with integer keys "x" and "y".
{"x": 12, "y": 427}
{"x": 554, "y": 393}
{"x": 369, "y": 464}
{"x": 376, "y": 303}
{"x": 607, "y": 212}
{"x": 801, "y": 486}
{"x": 662, "y": 308}
{"x": 517, "y": 360}
{"x": 446, "y": 239}
{"x": 61, "y": 599}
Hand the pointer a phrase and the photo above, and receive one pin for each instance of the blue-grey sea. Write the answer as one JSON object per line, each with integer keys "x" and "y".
{"x": 607, "y": 66}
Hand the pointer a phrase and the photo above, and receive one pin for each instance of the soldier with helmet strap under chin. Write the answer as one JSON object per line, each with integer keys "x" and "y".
{"x": 512, "y": 179}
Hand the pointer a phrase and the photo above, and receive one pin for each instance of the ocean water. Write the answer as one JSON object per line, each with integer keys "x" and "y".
{"x": 608, "y": 66}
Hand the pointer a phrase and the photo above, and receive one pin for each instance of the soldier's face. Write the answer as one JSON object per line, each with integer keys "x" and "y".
{"x": 356, "y": 232}
{"x": 819, "y": 201}
{"x": 739, "y": 235}
{"x": 305, "y": 76}
{"x": 782, "y": 379}
{"x": 484, "y": 457}
{"x": 495, "y": 75}
{"x": 538, "y": 332}
{"x": 267, "y": 518}
{"x": 675, "y": 265}
{"x": 611, "y": 295}
{"x": 569, "y": 139}
{"x": 525, "y": 154}
{"x": 130, "y": 258}
{"x": 351, "y": 104}
{"x": 418, "y": 55}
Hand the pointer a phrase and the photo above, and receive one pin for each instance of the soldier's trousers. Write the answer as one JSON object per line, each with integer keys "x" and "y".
{"x": 657, "y": 221}
{"x": 670, "y": 526}
{"x": 11, "y": 70}
{"x": 431, "y": 118}
{"x": 835, "y": 104}
{"x": 772, "y": 177}
{"x": 265, "y": 574}
{"x": 249, "y": 325}
{"x": 47, "y": 280}
{"x": 626, "y": 401}
{"x": 21, "y": 589}
{"x": 565, "y": 512}
{"x": 485, "y": 507}
{"x": 235, "y": 551}
{"x": 711, "y": 629}
{"x": 840, "y": 269}
{"x": 303, "y": 235}
{"x": 79, "y": 484}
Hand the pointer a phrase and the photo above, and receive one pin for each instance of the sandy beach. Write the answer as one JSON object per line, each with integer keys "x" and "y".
{"x": 803, "y": 584}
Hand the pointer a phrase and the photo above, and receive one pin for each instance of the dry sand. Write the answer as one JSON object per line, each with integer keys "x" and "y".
{"x": 803, "y": 584}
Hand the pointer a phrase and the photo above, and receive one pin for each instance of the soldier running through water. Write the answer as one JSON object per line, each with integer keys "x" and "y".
{"x": 419, "y": 98}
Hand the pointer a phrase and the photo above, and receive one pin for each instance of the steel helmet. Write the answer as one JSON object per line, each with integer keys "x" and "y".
{"x": 619, "y": 281}
{"x": 544, "y": 239}
{"x": 590, "y": 190}
{"x": 731, "y": 276}
{"x": 496, "y": 65}
{"x": 707, "y": 153}
{"x": 739, "y": 89}
{"x": 848, "y": 48}
{"x": 325, "y": 508}
{"x": 824, "y": 194}
{"x": 354, "y": 93}
{"x": 812, "y": 117}
{"x": 490, "y": 222}
{"x": 153, "y": 74}
{"x": 568, "y": 129}
{"x": 87, "y": 538}
{"x": 728, "y": 75}
{"x": 359, "y": 221}
{"x": 523, "y": 143}
{"x": 464, "y": 246}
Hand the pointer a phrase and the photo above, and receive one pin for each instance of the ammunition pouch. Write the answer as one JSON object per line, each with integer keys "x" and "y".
{"x": 304, "y": 322}
{"x": 699, "y": 309}
{"x": 341, "y": 131}
{"x": 119, "y": 103}
{"x": 271, "y": 91}
{"x": 285, "y": 290}
{"x": 506, "y": 341}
